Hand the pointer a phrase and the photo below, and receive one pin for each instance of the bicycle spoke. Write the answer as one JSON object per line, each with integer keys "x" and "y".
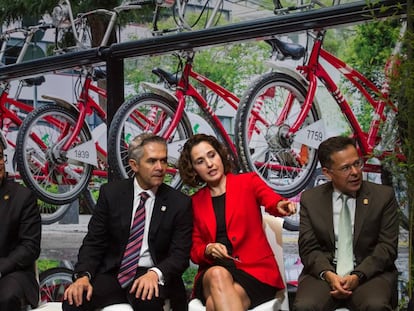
{"x": 146, "y": 113}
{"x": 268, "y": 113}
{"x": 42, "y": 149}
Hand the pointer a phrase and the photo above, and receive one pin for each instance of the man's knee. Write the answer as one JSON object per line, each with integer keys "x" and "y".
{"x": 304, "y": 304}
{"x": 374, "y": 304}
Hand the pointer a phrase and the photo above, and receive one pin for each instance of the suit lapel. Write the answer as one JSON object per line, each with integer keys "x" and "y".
{"x": 361, "y": 211}
{"x": 6, "y": 195}
{"x": 126, "y": 206}
{"x": 327, "y": 213}
{"x": 160, "y": 207}
{"x": 205, "y": 206}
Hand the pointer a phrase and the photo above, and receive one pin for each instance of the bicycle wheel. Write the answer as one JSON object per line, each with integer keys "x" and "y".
{"x": 53, "y": 283}
{"x": 43, "y": 166}
{"x": 51, "y": 213}
{"x": 266, "y": 112}
{"x": 146, "y": 113}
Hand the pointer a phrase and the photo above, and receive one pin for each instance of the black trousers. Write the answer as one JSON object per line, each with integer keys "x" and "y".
{"x": 12, "y": 295}
{"x": 107, "y": 291}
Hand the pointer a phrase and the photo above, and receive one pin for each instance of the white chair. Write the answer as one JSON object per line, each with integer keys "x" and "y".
{"x": 57, "y": 306}
{"x": 273, "y": 229}
{"x": 127, "y": 307}
{"x": 118, "y": 307}
{"x": 50, "y": 306}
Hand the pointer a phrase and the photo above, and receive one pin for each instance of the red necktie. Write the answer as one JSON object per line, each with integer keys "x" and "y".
{"x": 130, "y": 259}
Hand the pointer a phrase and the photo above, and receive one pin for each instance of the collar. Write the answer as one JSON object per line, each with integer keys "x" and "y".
{"x": 138, "y": 189}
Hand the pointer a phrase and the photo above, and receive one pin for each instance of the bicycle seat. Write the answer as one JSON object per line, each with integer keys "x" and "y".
{"x": 170, "y": 78}
{"x": 34, "y": 81}
{"x": 293, "y": 50}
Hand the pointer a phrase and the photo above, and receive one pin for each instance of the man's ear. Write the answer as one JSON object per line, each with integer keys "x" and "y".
{"x": 133, "y": 164}
{"x": 327, "y": 173}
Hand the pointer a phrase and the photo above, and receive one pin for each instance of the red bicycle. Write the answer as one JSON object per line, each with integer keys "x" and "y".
{"x": 57, "y": 153}
{"x": 12, "y": 113}
{"x": 162, "y": 111}
{"x": 165, "y": 111}
{"x": 279, "y": 125}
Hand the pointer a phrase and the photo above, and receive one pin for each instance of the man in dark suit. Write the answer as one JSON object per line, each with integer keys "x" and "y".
{"x": 20, "y": 234}
{"x": 166, "y": 240}
{"x": 370, "y": 280}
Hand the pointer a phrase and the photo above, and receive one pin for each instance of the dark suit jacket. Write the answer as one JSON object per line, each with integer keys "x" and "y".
{"x": 375, "y": 231}
{"x": 169, "y": 236}
{"x": 20, "y": 234}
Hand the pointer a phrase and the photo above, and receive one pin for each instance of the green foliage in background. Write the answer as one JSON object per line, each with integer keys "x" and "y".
{"x": 231, "y": 66}
{"x": 370, "y": 45}
{"x": 403, "y": 88}
{"x": 367, "y": 49}
{"x": 45, "y": 264}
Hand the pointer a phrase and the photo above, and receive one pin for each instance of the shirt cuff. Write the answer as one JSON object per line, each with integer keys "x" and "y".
{"x": 160, "y": 275}
{"x": 322, "y": 274}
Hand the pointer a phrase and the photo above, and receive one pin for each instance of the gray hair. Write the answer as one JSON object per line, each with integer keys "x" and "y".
{"x": 136, "y": 150}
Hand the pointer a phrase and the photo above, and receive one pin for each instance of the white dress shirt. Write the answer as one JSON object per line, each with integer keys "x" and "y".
{"x": 145, "y": 259}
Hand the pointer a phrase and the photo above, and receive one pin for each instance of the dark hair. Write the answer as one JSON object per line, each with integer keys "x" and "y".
{"x": 185, "y": 165}
{"x": 332, "y": 145}
{"x": 136, "y": 150}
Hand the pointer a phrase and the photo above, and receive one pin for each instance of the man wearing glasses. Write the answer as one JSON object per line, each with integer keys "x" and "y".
{"x": 348, "y": 237}
{"x": 20, "y": 232}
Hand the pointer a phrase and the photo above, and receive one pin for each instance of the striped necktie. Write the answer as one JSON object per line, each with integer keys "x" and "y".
{"x": 345, "y": 260}
{"x": 129, "y": 263}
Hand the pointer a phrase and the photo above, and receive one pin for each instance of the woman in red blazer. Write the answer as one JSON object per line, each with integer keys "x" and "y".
{"x": 237, "y": 268}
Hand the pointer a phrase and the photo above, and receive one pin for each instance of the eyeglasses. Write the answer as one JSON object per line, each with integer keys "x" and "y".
{"x": 3, "y": 157}
{"x": 346, "y": 169}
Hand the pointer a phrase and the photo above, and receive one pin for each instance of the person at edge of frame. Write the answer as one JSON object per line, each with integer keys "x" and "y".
{"x": 237, "y": 267}
{"x": 164, "y": 254}
{"x": 20, "y": 235}
{"x": 368, "y": 280}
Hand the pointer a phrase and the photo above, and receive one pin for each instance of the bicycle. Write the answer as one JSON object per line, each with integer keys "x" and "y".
{"x": 279, "y": 125}
{"x": 56, "y": 150}
{"x": 53, "y": 283}
{"x": 13, "y": 112}
{"x": 57, "y": 153}
{"x": 162, "y": 111}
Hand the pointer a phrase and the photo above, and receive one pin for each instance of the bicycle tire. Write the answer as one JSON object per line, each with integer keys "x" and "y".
{"x": 51, "y": 213}
{"x": 146, "y": 112}
{"x": 53, "y": 282}
{"x": 44, "y": 168}
{"x": 285, "y": 165}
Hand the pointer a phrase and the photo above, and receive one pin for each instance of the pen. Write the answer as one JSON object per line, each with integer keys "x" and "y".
{"x": 234, "y": 258}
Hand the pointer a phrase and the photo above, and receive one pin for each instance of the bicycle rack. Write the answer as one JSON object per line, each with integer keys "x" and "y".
{"x": 266, "y": 27}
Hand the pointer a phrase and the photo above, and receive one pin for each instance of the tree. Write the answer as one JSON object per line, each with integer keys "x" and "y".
{"x": 404, "y": 90}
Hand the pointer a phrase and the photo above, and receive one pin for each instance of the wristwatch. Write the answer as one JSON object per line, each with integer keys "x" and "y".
{"x": 78, "y": 275}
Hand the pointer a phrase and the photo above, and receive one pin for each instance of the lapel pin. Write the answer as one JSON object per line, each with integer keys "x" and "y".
{"x": 6, "y": 197}
{"x": 365, "y": 201}
{"x": 163, "y": 208}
